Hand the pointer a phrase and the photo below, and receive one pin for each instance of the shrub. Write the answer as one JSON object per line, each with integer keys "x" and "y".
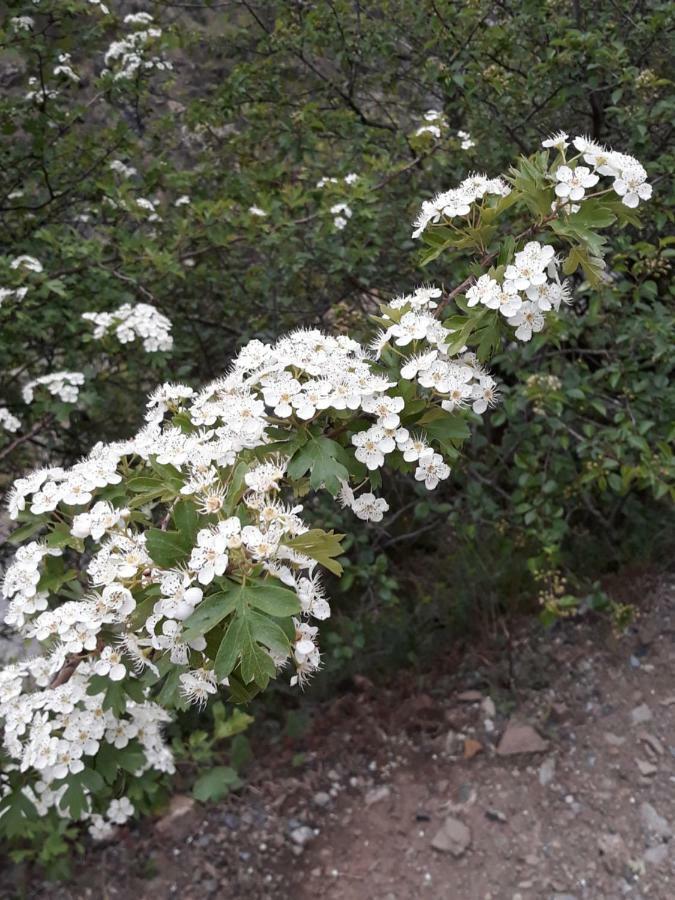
{"x": 167, "y": 566}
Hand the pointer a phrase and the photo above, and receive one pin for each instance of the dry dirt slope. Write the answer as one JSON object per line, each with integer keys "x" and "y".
{"x": 430, "y": 790}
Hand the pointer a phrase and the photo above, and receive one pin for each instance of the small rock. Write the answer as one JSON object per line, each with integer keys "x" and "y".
{"x": 656, "y": 856}
{"x": 613, "y": 739}
{"x": 653, "y": 822}
{"x": 614, "y": 852}
{"x": 179, "y": 820}
{"x": 641, "y": 714}
{"x": 564, "y": 897}
{"x": 646, "y": 768}
{"x": 453, "y": 837}
{"x": 470, "y": 697}
{"x": 451, "y": 744}
{"x": 302, "y": 835}
{"x": 651, "y": 741}
{"x": 489, "y": 708}
{"x": 494, "y": 815}
{"x": 377, "y": 794}
{"x": 521, "y": 739}
{"x": 466, "y": 795}
{"x": 472, "y": 748}
{"x": 321, "y": 798}
{"x": 547, "y": 771}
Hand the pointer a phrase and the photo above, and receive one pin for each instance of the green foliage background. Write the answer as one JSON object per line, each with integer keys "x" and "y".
{"x": 570, "y": 478}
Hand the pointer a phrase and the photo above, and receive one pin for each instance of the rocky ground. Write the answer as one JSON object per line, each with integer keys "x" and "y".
{"x": 544, "y": 774}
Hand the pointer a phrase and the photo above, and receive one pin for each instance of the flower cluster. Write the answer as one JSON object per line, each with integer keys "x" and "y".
{"x": 436, "y": 124}
{"x": 133, "y": 321}
{"x": 8, "y": 421}
{"x": 64, "y": 385}
{"x": 458, "y": 201}
{"x": 529, "y": 273}
{"x": 341, "y": 215}
{"x": 130, "y": 55}
{"x": 630, "y": 176}
{"x": 13, "y": 294}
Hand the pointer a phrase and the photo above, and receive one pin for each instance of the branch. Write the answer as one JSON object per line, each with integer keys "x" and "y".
{"x": 26, "y": 437}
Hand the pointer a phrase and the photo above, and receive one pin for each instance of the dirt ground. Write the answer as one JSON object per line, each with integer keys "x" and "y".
{"x": 543, "y": 774}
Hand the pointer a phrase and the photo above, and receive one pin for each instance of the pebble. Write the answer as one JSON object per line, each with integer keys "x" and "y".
{"x": 547, "y": 771}
{"x": 521, "y": 739}
{"x": 646, "y": 768}
{"x": 495, "y": 815}
{"x": 651, "y": 741}
{"x": 653, "y": 822}
{"x": 656, "y": 856}
{"x": 614, "y": 852}
{"x": 302, "y": 835}
{"x": 321, "y": 798}
{"x": 641, "y": 714}
{"x": 488, "y": 707}
{"x": 453, "y": 837}
{"x": 377, "y": 794}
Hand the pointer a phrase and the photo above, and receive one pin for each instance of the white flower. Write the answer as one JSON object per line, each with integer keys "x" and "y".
{"x": 415, "y": 448}
{"x": 110, "y": 664}
{"x": 371, "y": 446}
{"x": 486, "y": 291}
{"x": 631, "y": 185}
{"x": 431, "y": 469}
{"x": 484, "y": 394}
{"x": 26, "y": 262}
{"x": 529, "y": 266}
{"x": 8, "y": 421}
{"x": 257, "y": 211}
{"x": 120, "y": 810}
{"x": 198, "y": 685}
{"x": 558, "y": 140}
{"x": 465, "y": 140}
{"x": 572, "y": 183}
{"x": 386, "y": 408}
{"x": 527, "y": 320}
{"x": 209, "y": 558}
{"x": 369, "y": 508}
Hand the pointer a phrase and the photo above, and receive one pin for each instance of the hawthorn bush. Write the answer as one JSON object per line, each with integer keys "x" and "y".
{"x": 163, "y": 568}
{"x": 178, "y": 181}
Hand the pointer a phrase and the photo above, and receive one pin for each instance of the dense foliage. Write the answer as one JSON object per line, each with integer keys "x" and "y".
{"x": 174, "y": 186}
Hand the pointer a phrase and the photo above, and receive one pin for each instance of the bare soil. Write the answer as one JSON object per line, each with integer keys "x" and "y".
{"x": 404, "y": 791}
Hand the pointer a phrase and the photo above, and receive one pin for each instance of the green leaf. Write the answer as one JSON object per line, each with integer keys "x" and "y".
{"x": 273, "y": 599}
{"x": 212, "y": 610}
{"x": 166, "y": 548}
{"x": 215, "y": 784}
{"x": 17, "y": 814}
{"x": 326, "y": 460}
{"x": 229, "y": 650}
{"x": 323, "y": 546}
{"x": 445, "y": 427}
{"x": 144, "y": 483}
{"x": 592, "y": 266}
{"x": 268, "y": 633}
{"x": 186, "y": 520}
{"x": 235, "y": 723}
{"x": 130, "y": 758}
{"x": 106, "y": 762}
